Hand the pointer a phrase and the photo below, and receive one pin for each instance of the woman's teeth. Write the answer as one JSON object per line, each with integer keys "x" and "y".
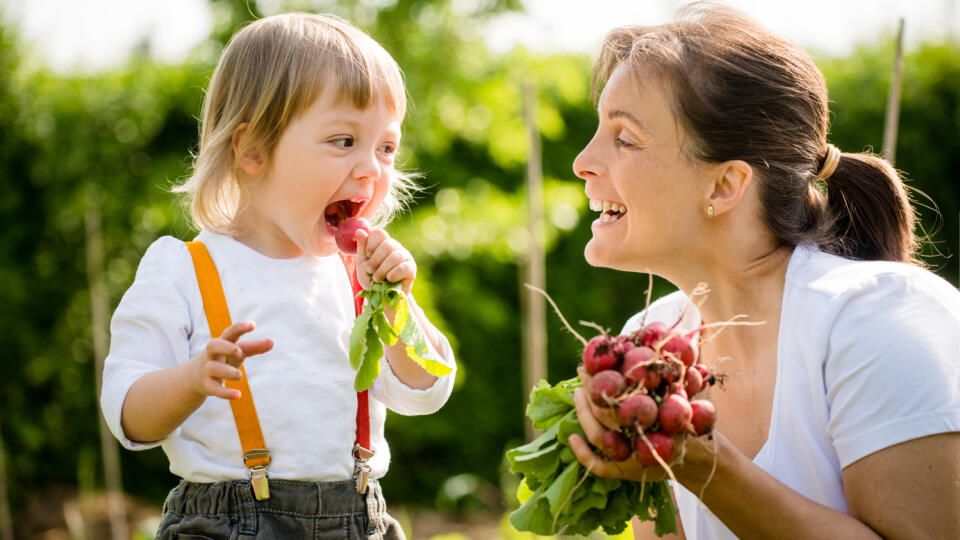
{"x": 611, "y": 211}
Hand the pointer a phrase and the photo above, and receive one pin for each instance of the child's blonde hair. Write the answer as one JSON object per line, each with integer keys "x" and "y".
{"x": 270, "y": 72}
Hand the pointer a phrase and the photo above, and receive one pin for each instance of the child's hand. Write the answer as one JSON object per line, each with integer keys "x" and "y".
{"x": 221, "y": 360}
{"x": 380, "y": 257}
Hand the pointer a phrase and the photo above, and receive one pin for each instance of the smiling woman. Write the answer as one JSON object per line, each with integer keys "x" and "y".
{"x": 840, "y": 415}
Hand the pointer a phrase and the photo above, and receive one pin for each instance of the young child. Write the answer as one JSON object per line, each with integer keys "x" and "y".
{"x": 301, "y": 124}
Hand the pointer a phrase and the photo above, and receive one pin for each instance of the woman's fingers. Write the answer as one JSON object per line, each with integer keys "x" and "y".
{"x": 591, "y": 426}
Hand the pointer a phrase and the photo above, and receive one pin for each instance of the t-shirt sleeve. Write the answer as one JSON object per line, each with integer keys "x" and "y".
{"x": 893, "y": 367}
{"x": 402, "y": 399}
{"x": 150, "y": 329}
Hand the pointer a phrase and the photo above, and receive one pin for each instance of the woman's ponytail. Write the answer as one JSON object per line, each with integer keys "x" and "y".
{"x": 869, "y": 212}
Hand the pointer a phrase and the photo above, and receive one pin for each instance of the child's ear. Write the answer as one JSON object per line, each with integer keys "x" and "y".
{"x": 730, "y": 182}
{"x": 248, "y": 159}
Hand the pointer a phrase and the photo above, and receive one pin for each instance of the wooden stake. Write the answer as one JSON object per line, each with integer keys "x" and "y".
{"x": 100, "y": 317}
{"x": 533, "y": 271}
{"x": 892, "y": 116}
{"x": 6, "y": 521}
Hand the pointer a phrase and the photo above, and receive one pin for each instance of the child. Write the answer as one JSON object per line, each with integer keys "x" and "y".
{"x": 301, "y": 124}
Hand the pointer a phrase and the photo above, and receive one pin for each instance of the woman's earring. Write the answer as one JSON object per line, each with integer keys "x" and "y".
{"x": 710, "y": 211}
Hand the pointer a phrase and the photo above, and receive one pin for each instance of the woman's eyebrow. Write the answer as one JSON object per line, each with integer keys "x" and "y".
{"x": 619, "y": 113}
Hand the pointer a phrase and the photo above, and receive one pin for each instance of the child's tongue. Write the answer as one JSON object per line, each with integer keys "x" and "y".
{"x": 335, "y": 213}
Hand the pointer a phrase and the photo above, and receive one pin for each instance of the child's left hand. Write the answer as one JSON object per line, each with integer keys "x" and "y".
{"x": 380, "y": 257}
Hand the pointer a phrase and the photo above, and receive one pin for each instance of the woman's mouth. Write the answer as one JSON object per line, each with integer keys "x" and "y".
{"x": 610, "y": 211}
{"x": 337, "y": 211}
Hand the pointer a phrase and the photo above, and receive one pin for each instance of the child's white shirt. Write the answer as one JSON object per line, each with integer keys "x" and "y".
{"x": 302, "y": 389}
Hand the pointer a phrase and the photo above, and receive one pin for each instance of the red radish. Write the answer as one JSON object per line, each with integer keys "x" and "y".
{"x": 621, "y": 345}
{"x": 606, "y": 385}
{"x": 637, "y": 409}
{"x": 704, "y": 416}
{"x": 675, "y": 414}
{"x": 670, "y": 371}
{"x": 616, "y": 446}
{"x": 704, "y": 373}
{"x": 676, "y": 388}
{"x": 661, "y": 442}
{"x": 633, "y": 368}
{"x": 652, "y": 333}
{"x": 683, "y": 348}
{"x": 599, "y": 355}
{"x": 346, "y": 234}
{"x": 692, "y": 381}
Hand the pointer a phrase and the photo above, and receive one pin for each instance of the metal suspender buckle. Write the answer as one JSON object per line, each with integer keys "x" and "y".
{"x": 258, "y": 472}
{"x": 361, "y": 471}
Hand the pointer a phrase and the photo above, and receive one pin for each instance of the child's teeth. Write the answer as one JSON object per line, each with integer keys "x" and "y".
{"x": 595, "y": 205}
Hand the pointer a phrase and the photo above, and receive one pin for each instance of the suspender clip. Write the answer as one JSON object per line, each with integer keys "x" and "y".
{"x": 257, "y": 460}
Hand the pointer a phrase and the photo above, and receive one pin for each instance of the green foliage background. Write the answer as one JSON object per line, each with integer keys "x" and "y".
{"x": 120, "y": 139}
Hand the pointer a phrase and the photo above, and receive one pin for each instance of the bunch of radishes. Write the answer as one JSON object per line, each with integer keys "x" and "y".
{"x": 646, "y": 381}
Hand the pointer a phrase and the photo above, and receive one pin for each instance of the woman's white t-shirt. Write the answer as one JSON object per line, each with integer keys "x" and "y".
{"x": 868, "y": 356}
{"x": 302, "y": 389}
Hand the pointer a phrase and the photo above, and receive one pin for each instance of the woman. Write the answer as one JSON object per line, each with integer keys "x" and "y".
{"x": 840, "y": 417}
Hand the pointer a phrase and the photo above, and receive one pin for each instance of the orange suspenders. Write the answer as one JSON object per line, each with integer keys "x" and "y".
{"x": 255, "y": 454}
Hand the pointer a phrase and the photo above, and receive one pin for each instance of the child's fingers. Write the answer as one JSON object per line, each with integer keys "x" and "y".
{"x": 255, "y": 346}
{"x": 375, "y": 248}
{"x": 362, "y": 237}
{"x": 222, "y": 370}
{"x": 221, "y": 350}
{"x": 405, "y": 272}
{"x": 235, "y": 330}
{"x": 215, "y": 388}
{"x": 389, "y": 263}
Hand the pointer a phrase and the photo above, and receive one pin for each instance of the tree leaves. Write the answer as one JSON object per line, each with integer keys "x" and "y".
{"x": 371, "y": 328}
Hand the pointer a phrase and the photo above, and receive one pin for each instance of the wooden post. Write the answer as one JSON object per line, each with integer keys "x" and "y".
{"x": 6, "y": 521}
{"x": 99, "y": 314}
{"x": 892, "y": 115}
{"x": 534, "y": 306}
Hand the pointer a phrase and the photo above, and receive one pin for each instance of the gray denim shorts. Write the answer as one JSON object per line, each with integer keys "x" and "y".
{"x": 317, "y": 510}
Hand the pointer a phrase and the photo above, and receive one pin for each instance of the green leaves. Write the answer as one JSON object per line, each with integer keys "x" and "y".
{"x": 566, "y": 499}
{"x": 371, "y": 328}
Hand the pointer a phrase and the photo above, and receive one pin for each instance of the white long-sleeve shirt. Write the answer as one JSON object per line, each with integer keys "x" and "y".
{"x": 302, "y": 389}
{"x": 868, "y": 356}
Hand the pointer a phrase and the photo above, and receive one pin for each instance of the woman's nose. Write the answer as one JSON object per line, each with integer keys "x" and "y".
{"x": 585, "y": 165}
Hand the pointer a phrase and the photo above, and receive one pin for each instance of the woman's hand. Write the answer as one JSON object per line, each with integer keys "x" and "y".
{"x": 221, "y": 359}
{"x": 380, "y": 257}
{"x": 696, "y": 461}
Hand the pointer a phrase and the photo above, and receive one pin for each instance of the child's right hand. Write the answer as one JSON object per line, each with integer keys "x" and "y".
{"x": 221, "y": 360}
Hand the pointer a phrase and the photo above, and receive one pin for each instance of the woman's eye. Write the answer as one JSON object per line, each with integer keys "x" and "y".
{"x": 343, "y": 142}
{"x": 623, "y": 140}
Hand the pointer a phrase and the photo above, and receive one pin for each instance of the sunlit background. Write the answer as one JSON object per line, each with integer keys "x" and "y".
{"x": 98, "y": 115}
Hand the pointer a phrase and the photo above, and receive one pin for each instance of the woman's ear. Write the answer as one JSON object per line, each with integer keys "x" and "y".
{"x": 730, "y": 184}
{"x": 248, "y": 160}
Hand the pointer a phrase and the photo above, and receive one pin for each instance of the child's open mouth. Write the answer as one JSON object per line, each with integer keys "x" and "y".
{"x": 338, "y": 211}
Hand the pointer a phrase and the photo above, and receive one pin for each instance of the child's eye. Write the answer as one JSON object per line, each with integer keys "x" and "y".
{"x": 388, "y": 148}
{"x": 343, "y": 142}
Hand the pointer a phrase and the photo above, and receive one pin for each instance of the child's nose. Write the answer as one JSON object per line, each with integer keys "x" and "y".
{"x": 367, "y": 167}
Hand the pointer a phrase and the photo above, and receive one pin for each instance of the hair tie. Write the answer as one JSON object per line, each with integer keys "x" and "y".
{"x": 829, "y": 162}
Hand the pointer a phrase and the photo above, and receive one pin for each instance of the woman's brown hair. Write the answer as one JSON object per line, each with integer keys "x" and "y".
{"x": 740, "y": 92}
